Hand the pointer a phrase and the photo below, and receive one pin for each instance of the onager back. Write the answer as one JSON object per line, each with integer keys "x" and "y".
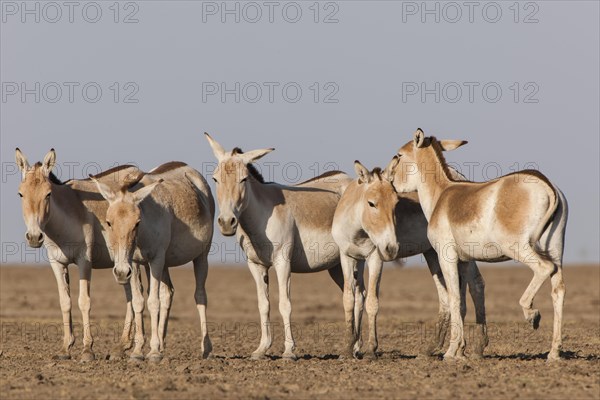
{"x": 520, "y": 216}
{"x": 162, "y": 219}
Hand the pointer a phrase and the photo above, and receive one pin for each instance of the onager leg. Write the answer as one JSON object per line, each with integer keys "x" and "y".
{"x": 166, "y": 293}
{"x": 359, "y": 297}
{"x": 118, "y": 350}
{"x": 61, "y": 273}
{"x": 443, "y": 323}
{"x": 261, "y": 277}
{"x": 558, "y": 298}
{"x": 375, "y": 265}
{"x": 448, "y": 264}
{"x": 137, "y": 301}
{"x": 201, "y": 273}
{"x": 85, "y": 276}
{"x": 349, "y": 268}
{"x": 156, "y": 272}
{"x": 284, "y": 275}
{"x": 542, "y": 269}
{"x": 477, "y": 291}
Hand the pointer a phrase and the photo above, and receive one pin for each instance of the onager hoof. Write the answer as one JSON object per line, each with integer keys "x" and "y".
{"x": 136, "y": 357}
{"x": 258, "y": 356}
{"x": 554, "y": 356}
{"x": 370, "y": 355}
{"x": 206, "y": 348}
{"x": 289, "y": 356}
{"x": 454, "y": 359}
{"x": 87, "y": 356}
{"x": 534, "y": 319}
{"x": 154, "y": 357}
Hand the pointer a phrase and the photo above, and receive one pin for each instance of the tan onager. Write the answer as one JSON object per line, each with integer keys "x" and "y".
{"x": 162, "y": 219}
{"x": 375, "y": 223}
{"x": 65, "y": 218}
{"x": 520, "y": 216}
{"x": 285, "y": 227}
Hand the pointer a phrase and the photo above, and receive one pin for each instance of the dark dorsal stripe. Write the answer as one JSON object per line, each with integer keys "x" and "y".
{"x": 112, "y": 171}
{"x": 323, "y": 175}
{"x": 167, "y": 167}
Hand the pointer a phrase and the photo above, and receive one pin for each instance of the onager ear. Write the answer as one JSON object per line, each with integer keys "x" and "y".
{"x": 448, "y": 145}
{"x": 419, "y": 138}
{"x": 254, "y": 155}
{"x": 22, "y": 162}
{"x": 390, "y": 170}
{"x": 104, "y": 190}
{"x": 49, "y": 162}
{"x": 217, "y": 149}
{"x": 140, "y": 194}
{"x": 364, "y": 176}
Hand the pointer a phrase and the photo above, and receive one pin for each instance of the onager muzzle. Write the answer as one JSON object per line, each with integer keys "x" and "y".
{"x": 35, "y": 240}
{"x": 228, "y": 224}
{"x": 122, "y": 275}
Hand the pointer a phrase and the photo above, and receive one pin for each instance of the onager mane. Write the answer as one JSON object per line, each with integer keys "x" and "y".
{"x": 171, "y": 165}
{"x": 437, "y": 148}
{"x": 251, "y": 168}
{"x": 323, "y": 175}
{"x": 111, "y": 171}
{"x": 53, "y": 178}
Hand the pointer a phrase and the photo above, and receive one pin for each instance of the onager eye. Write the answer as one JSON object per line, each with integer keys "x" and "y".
{"x": 109, "y": 224}
{"x": 136, "y": 225}
{"x": 371, "y": 204}
{"x": 20, "y": 194}
{"x": 48, "y": 195}
{"x": 243, "y": 179}
{"x": 215, "y": 179}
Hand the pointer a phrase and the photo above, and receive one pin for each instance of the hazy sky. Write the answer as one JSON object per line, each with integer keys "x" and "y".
{"x": 520, "y": 83}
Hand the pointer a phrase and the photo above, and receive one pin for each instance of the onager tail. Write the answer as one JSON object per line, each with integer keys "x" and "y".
{"x": 545, "y": 223}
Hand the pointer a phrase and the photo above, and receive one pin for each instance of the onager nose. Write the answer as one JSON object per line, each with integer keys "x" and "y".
{"x": 391, "y": 249}
{"x": 33, "y": 240}
{"x": 122, "y": 277}
{"x": 228, "y": 225}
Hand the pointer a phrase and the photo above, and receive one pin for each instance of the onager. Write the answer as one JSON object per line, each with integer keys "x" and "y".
{"x": 65, "y": 218}
{"x": 285, "y": 227}
{"x": 164, "y": 220}
{"x": 375, "y": 223}
{"x": 520, "y": 216}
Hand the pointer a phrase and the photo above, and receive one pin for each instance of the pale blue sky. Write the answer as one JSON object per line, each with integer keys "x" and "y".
{"x": 371, "y": 61}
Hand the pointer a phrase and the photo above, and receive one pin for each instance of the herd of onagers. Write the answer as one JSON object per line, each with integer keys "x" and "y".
{"x": 134, "y": 221}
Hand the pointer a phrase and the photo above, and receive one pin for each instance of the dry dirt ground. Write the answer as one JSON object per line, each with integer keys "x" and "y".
{"x": 514, "y": 365}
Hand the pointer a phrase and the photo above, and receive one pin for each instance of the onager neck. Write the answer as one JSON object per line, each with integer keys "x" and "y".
{"x": 258, "y": 209}
{"x": 64, "y": 206}
{"x": 434, "y": 177}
